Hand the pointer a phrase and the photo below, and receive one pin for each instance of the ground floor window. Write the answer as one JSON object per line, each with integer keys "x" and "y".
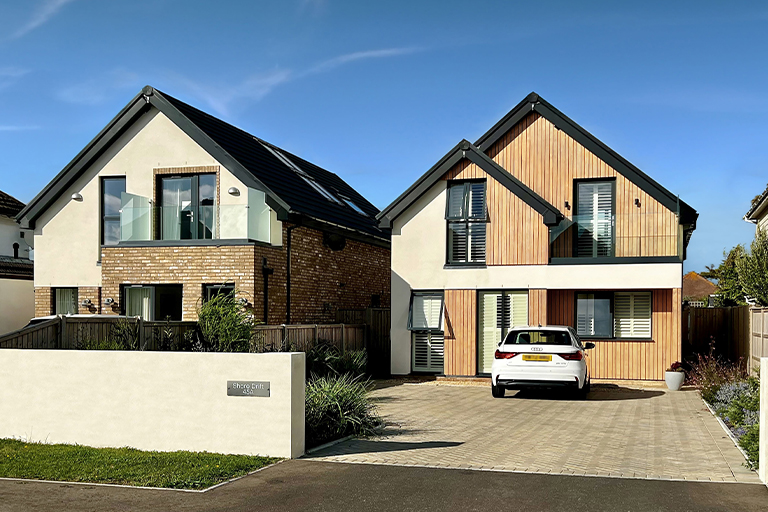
{"x": 425, "y": 321}
{"x": 212, "y": 290}
{"x": 498, "y": 312}
{"x": 155, "y": 302}
{"x": 65, "y": 301}
{"x": 614, "y": 314}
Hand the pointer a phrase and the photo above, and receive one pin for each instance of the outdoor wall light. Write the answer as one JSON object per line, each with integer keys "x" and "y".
{"x": 85, "y": 303}
{"x": 77, "y": 196}
{"x": 233, "y": 191}
{"x": 109, "y": 301}
{"x": 637, "y": 202}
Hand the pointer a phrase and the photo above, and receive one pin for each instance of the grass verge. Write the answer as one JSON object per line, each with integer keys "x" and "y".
{"x": 126, "y": 466}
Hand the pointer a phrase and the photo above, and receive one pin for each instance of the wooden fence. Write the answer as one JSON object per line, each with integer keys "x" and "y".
{"x": 65, "y": 332}
{"x": 758, "y": 337}
{"x": 727, "y": 329}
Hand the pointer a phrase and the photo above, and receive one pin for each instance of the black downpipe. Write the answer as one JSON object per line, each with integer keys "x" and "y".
{"x": 288, "y": 276}
{"x": 266, "y": 272}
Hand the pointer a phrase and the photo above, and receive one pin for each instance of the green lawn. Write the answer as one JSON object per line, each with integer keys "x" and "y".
{"x": 74, "y": 463}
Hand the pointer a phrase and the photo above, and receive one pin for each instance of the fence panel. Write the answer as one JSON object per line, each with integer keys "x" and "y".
{"x": 44, "y": 335}
{"x": 758, "y": 337}
{"x": 727, "y": 329}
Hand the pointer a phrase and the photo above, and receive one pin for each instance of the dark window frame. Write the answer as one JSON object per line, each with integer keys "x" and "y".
{"x": 426, "y": 293}
{"x": 194, "y": 200}
{"x": 56, "y": 301}
{"x": 467, "y": 220}
{"x": 612, "y": 294}
{"x": 104, "y": 217}
{"x": 219, "y": 286}
{"x": 612, "y": 181}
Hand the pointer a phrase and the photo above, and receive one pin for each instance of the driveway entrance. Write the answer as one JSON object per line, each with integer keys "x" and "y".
{"x": 618, "y": 432}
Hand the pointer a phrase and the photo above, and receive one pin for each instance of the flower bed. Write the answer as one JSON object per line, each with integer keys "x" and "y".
{"x": 735, "y": 398}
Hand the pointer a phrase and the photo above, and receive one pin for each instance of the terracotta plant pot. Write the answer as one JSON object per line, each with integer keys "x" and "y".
{"x": 674, "y": 380}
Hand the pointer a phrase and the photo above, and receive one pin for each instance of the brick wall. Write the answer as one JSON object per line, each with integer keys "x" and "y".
{"x": 324, "y": 280}
{"x": 88, "y": 292}
{"x": 43, "y": 300}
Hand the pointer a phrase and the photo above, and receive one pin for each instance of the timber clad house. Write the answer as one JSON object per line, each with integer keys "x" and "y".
{"x": 169, "y": 206}
{"x": 538, "y": 223}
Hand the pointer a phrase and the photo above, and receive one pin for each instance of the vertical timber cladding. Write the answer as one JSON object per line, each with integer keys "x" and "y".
{"x": 460, "y": 332}
{"x": 548, "y": 161}
{"x": 629, "y": 359}
{"x": 516, "y": 234}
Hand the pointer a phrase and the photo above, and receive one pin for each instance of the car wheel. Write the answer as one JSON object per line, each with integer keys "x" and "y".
{"x": 497, "y": 391}
{"x": 581, "y": 394}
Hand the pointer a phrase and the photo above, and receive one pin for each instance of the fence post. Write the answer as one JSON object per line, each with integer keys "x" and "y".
{"x": 142, "y": 337}
{"x": 63, "y": 340}
{"x": 284, "y": 343}
{"x": 315, "y": 341}
{"x": 343, "y": 341}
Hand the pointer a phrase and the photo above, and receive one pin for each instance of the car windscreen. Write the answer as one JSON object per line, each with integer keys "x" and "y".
{"x": 537, "y": 338}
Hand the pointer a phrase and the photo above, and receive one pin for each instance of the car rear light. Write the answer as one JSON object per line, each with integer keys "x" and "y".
{"x": 572, "y": 356}
{"x": 504, "y": 355}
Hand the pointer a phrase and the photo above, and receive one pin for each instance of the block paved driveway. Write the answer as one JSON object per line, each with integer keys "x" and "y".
{"x": 621, "y": 432}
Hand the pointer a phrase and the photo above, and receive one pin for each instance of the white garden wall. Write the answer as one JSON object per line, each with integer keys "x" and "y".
{"x": 163, "y": 401}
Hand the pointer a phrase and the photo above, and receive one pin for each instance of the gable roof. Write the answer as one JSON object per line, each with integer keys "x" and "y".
{"x": 697, "y": 286}
{"x": 252, "y": 160}
{"x": 464, "y": 149}
{"x": 535, "y": 103}
{"x": 9, "y": 205}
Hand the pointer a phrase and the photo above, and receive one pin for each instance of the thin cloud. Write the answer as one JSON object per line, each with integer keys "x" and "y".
{"x": 98, "y": 90}
{"x": 9, "y": 76}
{"x": 42, "y": 15}
{"x": 14, "y": 128}
{"x": 258, "y": 86}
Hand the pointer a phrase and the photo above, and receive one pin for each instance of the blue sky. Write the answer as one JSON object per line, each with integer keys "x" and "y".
{"x": 378, "y": 91}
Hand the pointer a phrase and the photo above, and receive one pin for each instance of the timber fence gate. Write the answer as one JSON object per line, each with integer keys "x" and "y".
{"x": 379, "y": 347}
{"x": 727, "y": 327}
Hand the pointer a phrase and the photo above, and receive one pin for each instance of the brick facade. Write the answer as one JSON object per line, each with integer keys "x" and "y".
{"x": 92, "y": 293}
{"x": 43, "y": 300}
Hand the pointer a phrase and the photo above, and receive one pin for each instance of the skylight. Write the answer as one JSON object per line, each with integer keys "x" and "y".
{"x": 306, "y": 177}
{"x": 353, "y": 206}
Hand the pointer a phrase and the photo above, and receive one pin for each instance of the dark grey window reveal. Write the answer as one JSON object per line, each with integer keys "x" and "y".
{"x": 188, "y": 207}
{"x": 594, "y": 314}
{"x": 212, "y": 290}
{"x": 111, "y": 190}
{"x": 594, "y": 219}
{"x": 466, "y": 215}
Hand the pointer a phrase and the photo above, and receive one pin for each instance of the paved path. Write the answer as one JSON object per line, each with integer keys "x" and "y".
{"x": 617, "y": 432}
{"x": 314, "y": 486}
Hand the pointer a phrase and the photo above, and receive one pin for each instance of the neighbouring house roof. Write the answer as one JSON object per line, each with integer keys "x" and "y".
{"x": 16, "y": 268}
{"x": 535, "y": 103}
{"x": 551, "y": 216}
{"x": 9, "y": 205}
{"x": 255, "y": 162}
{"x": 758, "y": 208}
{"x": 696, "y": 286}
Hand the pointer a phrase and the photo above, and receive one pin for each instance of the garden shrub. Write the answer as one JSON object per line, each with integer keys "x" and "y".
{"x": 338, "y": 406}
{"x": 325, "y": 359}
{"x": 123, "y": 335}
{"x": 709, "y": 372}
{"x": 223, "y": 325}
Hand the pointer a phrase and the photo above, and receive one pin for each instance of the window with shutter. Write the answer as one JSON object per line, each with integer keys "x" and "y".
{"x": 499, "y": 311}
{"x": 466, "y": 215}
{"x": 594, "y": 219}
{"x": 426, "y": 323}
{"x": 632, "y": 315}
{"x": 593, "y": 315}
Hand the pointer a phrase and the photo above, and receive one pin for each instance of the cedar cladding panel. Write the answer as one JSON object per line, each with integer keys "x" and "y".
{"x": 537, "y": 307}
{"x": 627, "y": 359}
{"x": 548, "y": 161}
{"x": 460, "y": 332}
{"x": 516, "y": 234}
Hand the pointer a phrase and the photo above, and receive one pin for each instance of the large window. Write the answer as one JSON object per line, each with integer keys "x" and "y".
{"x": 466, "y": 216}
{"x": 65, "y": 301}
{"x": 158, "y": 302}
{"x": 614, "y": 315}
{"x": 499, "y": 312}
{"x": 425, "y": 321}
{"x": 594, "y": 219}
{"x": 111, "y": 191}
{"x": 188, "y": 204}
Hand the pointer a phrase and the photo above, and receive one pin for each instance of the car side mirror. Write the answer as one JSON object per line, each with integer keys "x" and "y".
{"x": 589, "y": 345}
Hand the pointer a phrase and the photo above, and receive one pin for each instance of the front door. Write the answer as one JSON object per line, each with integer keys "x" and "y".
{"x": 499, "y": 311}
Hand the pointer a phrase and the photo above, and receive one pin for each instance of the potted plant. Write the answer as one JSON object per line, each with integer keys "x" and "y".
{"x": 674, "y": 376}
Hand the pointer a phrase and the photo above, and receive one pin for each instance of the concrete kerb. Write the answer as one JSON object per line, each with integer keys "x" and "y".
{"x": 95, "y": 484}
{"x": 727, "y": 430}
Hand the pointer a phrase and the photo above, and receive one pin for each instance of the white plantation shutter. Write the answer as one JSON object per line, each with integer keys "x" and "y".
{"x": 428, "y": 351}
{"x": 585, "y": 314}
{"x": 426, "y": 312}
{"x": 595, "y": 219}
{"x": 499, "y": 311}
{"x": 519, "y": 303}
{"x": 632, "y": 315}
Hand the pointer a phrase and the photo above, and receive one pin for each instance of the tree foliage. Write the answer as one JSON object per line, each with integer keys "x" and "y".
{"x": 752, "y": 269}
{"x": 727, "y": 277}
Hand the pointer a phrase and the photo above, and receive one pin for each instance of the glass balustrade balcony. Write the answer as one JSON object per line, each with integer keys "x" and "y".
{"x": 641, "y": 235}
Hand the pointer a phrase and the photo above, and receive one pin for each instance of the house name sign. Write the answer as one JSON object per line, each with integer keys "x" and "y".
{"x": 247, "y": 388}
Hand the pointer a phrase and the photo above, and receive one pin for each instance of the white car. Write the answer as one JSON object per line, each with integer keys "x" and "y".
{"x": 551, "y": 356}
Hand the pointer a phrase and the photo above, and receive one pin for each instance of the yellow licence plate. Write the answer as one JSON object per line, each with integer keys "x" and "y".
{"x": 536, "y": 357}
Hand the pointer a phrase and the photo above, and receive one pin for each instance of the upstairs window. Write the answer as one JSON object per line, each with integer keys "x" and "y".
{"x": 466, "y": 216}
{"x": 188, "y": 207}
{"x": 111, "y": 191}
{"x": 594, "y": 219}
